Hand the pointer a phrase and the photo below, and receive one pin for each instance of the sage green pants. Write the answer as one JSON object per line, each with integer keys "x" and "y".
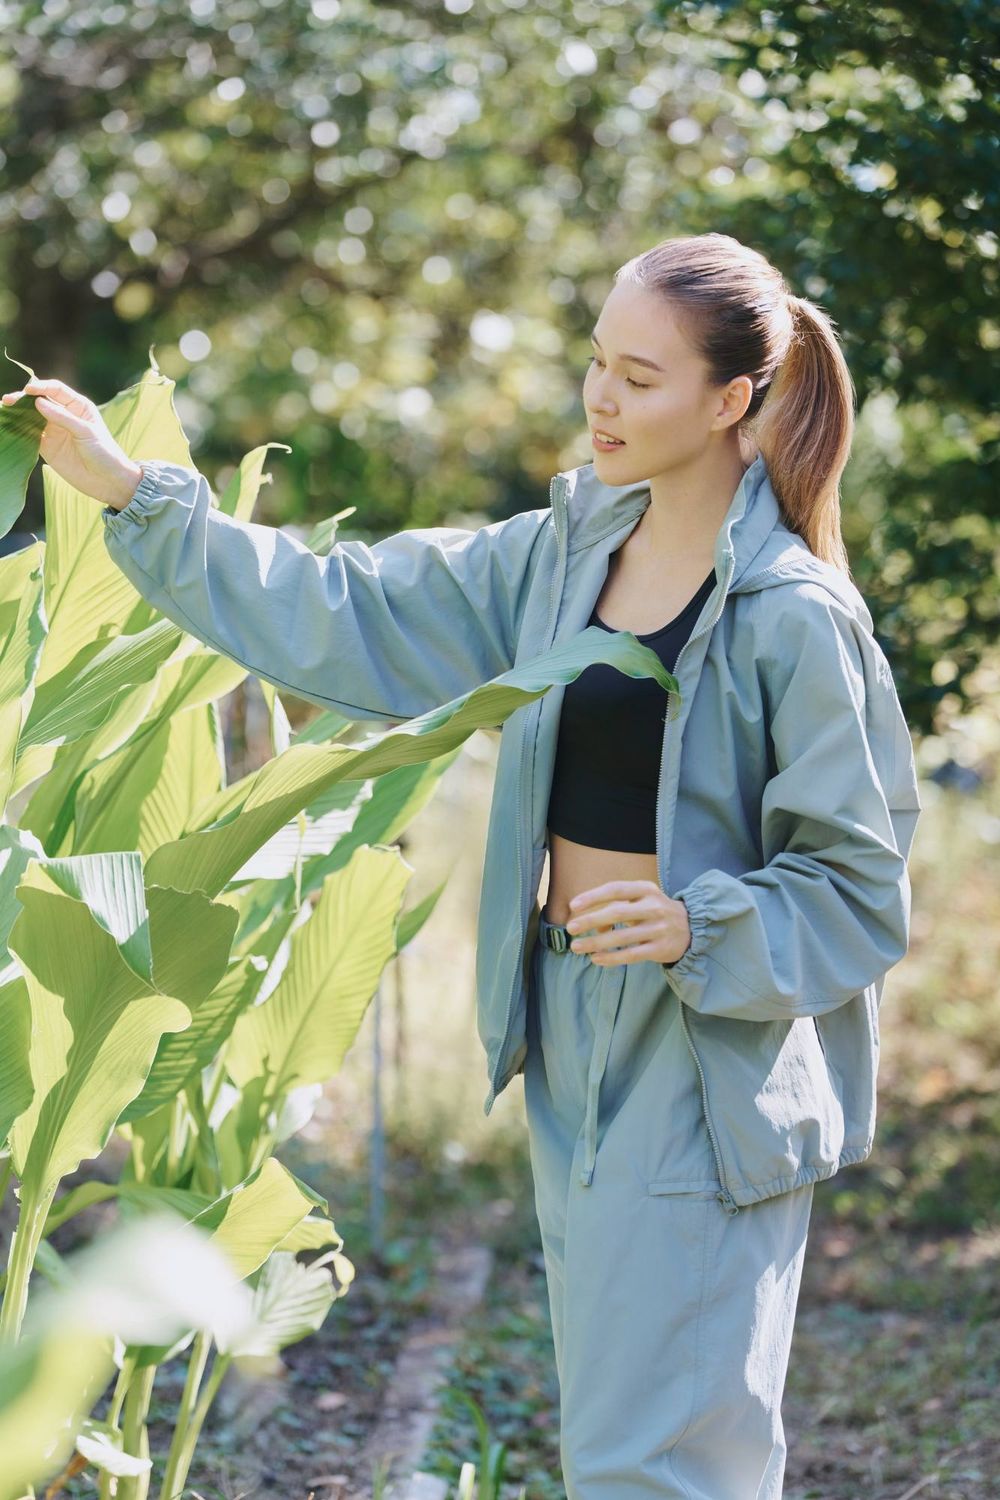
{"x": 671, "y": 1317}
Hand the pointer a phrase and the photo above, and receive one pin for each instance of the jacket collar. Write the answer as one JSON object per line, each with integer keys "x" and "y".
{"x": 594, "y": 509}
{"x": 765, "y": 550}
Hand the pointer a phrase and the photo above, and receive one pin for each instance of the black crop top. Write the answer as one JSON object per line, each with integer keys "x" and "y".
{"x": 607, "y": 765}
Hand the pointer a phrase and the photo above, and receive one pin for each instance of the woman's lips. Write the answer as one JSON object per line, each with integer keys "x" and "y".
{"x": 603, "y": 447}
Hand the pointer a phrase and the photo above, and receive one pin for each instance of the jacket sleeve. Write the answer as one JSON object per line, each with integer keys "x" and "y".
{"x": 828, "y": 913}
{"x": 383, "y": 632}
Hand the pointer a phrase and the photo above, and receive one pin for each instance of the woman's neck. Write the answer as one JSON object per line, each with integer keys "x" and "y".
{"x": 687, "y": 509}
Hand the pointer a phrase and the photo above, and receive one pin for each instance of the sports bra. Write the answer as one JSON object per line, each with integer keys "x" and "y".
{"x": 607, "y": 766}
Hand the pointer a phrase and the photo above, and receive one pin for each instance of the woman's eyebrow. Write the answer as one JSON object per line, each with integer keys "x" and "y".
{"x": 635, "y": 359}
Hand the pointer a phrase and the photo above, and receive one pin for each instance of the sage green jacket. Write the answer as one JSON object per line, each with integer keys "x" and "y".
{"x": 787, "y": 797}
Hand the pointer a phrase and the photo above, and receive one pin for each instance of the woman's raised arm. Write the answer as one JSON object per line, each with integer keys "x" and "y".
{"x": 383, "y": 632}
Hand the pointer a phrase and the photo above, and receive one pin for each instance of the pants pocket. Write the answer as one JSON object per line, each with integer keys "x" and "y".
{"x": 664, "y": 1187}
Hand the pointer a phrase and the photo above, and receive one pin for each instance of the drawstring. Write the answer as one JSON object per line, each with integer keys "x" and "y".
{"x": 611, "y": 990}
{"x": 613, "y": 984}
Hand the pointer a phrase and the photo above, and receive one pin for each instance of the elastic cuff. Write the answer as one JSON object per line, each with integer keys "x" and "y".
{"x": 697, "y": 904}
{"x": 159, "y": 477}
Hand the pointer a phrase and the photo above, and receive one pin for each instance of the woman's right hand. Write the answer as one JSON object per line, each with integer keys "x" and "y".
{"x": 77, "y": 444}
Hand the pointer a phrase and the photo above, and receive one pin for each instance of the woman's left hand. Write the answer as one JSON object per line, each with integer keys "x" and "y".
{"x": 659, "y": 927}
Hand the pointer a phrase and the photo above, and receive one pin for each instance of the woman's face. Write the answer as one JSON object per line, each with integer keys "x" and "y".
{"x": 665, "y": 415}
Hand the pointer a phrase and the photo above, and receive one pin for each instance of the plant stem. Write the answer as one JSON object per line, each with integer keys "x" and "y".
{"x": 113, "y": 1414}
{"x": 175, "y": 1137}
{"x": 182, "y": 1444}
{"x": 263, "y": 1148}
{"x": 135, "y": 1437}
{"x": 121, "y": 1388}
{"x": 215, "y": 1086}
{"x": 23, "y": 1249}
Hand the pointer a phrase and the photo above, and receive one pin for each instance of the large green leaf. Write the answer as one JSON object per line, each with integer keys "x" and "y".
{"x": 182, "y": 1054}
{"x": 248, "y": 1223}
{"x": 54, "y": 770}
{"x": 127, "y": 967}
{"x": 17, "y": 849}
{"x": 314, "y": 1233}
{"x": 263, "y": 802}
{"x": 290, "y": 1301}
{"x": 275, "y": 1194}
{"x": 397, "y": 798}
{"x": 22, "y": 635}
{"x": 80, "y": 697}
{"x": 87, "y": 597}
{"x": 327, "y": 725}
{"x": 145, "y": 793}
{"x": 240, "y": 495}
{"x": 410, "y": 922}
{"x": 16, "y": 1086}
{"x": 302, "y": 1031}
{"x": 260, "y": 896}
{"x": 21, "y": 428}
{"x": 191, "y": 678}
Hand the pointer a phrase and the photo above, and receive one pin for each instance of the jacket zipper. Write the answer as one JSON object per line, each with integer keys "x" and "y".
{"x": 549, "y": 630}
{"x": 724, "y": 1195}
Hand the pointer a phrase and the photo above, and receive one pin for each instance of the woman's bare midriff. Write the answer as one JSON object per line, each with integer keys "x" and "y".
{"x": 573, "y": 868}
{"x": 639, "y": 594}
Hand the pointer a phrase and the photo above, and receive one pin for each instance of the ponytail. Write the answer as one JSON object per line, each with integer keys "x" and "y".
{"x": 804, "y": 431}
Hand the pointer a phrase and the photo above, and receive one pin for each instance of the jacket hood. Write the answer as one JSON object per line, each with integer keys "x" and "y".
{"x": 767, "y": 552}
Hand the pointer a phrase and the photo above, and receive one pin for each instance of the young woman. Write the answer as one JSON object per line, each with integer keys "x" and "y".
{"x": 696, "y": 1010}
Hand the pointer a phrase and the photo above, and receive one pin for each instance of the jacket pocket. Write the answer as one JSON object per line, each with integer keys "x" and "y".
{"x": 774, "y": 1100}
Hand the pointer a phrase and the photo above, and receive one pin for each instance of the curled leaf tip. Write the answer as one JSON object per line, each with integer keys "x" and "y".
{"x": 18, "y": 362}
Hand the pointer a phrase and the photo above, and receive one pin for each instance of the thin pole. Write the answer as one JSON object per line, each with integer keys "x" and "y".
{"x": 377, "y": 1152}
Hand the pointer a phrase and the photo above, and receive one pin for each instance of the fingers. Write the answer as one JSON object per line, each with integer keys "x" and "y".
{"x": 615, "y": 911}
{"x": 630, "y": 889}
{"x": 616, "y": 937}
{"x": 64, "y": 416}
{"x": 59, "y": 414}
{"x": 57, "y": 391}
{"x": 627, "y": 955}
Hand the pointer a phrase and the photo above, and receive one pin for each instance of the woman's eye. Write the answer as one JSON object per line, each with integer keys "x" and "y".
{"x": 638, "y": 384}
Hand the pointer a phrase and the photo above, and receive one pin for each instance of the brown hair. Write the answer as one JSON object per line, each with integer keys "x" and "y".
{"x": 740, "y": 316}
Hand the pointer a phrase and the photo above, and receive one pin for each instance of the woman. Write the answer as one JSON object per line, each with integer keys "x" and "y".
{"x": 696, "y": 1009}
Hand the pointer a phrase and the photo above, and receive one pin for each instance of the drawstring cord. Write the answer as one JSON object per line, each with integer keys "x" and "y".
{"x": 612, "y": 988}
